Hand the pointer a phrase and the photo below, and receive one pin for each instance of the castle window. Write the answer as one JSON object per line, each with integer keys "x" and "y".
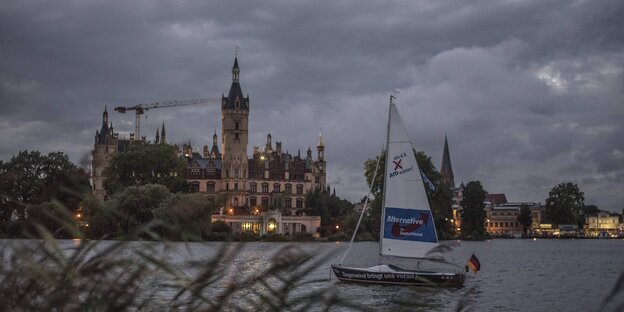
{"x": 265, "y": 201}
{"x": 299, "y": 189}
{"x": 236, "y": 173}
{"x": 288, "y": 202}
{"x": 265, "y": 187}
{"x": 253, "y": 188}
{"x": 236, "y": 186}
{"x": 299, "y": 203}
{"x": 276, "y": 188}
{"x": 210, "y": 186}
{"x": 227, "y": 186}
{"x": 211, "y": 168}
{"x": 194, "y": 186}
{"x": 252, "y": 201}
{"x": 195, "y": 169}
{"x": 236, "y": 125}
{"x": 288, "y": 189}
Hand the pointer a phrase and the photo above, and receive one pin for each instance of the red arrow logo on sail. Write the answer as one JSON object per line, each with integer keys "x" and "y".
{"x": 396, "y": 227}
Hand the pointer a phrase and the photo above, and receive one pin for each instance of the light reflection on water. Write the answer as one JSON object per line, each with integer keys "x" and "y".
{"x": 554, "y": 274}
{"x": 516, "y": 275}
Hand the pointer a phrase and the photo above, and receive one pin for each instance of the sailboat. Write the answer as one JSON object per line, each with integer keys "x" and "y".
{"x": 407, "y": 224}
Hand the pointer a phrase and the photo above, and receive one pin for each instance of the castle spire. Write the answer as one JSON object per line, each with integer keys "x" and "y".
{"x": 105, "y": 116}
{"x": 235, "y": 99}
{"x": 320, "y": 148}
{"x": 235, "y": 70}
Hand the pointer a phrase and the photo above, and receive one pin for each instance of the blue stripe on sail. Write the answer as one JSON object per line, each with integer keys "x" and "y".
{"x": 409, "y": 224}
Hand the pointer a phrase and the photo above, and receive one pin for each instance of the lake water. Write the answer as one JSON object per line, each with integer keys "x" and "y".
{"x": 516, "y": 275}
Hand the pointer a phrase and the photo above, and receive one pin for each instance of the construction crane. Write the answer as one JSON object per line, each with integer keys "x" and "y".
{"x": 140, "y": 109}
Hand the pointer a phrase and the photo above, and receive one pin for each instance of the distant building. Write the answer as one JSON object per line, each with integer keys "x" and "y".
{"x": 271, "y": 183}
{"x": 502, "y": 217}
{"x": 603, "y": 223}
{"x": 107, "y": 145}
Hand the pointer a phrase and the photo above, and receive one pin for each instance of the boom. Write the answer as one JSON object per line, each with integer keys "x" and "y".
{"x": 140, "y": 109}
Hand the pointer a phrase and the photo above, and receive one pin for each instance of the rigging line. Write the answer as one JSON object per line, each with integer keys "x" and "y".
{"x": 363, "y": 209}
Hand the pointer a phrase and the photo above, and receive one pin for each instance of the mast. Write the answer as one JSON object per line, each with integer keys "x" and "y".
{"x": 383, "y": 198}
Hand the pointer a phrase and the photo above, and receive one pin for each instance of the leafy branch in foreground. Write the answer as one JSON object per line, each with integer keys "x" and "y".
{"x": 49, "y": 274}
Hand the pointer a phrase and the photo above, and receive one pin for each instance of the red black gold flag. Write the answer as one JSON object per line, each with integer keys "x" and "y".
{"x": 473, "y": 264}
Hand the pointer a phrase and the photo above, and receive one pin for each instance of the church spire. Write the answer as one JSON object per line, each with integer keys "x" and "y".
{"x": 157, "y": 140}
{"x": 163, "y": 136}
{"x": 446, "y": 170}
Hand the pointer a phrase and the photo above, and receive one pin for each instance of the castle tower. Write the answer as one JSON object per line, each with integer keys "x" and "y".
{"x": 321, "y": 165}
{"x": 214, "y": 152}
{"x": 104, "y": 150}
{"x": 446, "y": 170}
{"x": 234, "y": 136}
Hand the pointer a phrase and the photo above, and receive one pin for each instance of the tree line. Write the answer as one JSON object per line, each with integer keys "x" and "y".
{"x": 147, "y": 184}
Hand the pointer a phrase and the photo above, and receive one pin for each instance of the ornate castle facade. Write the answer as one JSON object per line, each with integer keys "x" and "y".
{"x": 270, "y": 179}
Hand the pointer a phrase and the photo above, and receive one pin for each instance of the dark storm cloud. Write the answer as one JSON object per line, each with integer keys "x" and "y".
{"x": 530, "y": 93}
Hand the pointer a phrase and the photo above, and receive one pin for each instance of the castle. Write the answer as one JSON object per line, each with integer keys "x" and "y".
{"x": 270, "y": 181}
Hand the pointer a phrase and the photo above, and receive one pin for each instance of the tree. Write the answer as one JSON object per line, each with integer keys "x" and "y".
{"x": 185, "y": 217}
{"x": 146, "y": 163}
{"x": 439, "y": 200}
{"x": 331, "y": 208}
{"x": 473, "y": 214}
{"x": 564, "y": 204}
{"x": 31, "y": 178}
{"x": 136, "y": 204}
{"x": 525, "y": 219}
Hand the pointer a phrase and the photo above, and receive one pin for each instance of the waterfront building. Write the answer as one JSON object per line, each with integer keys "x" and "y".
{"x": 264, "y": 193}
{"x": 603, "y": 223}
{"x": 502, "y": 216}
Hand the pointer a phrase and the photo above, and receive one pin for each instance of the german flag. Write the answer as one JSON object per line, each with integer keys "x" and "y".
{"x": 473, "y": 263}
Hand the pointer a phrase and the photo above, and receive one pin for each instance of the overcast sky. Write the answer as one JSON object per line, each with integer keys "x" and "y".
{"x": 530, "y": 93}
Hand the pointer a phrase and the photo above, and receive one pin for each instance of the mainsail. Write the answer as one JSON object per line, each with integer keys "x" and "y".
{"x": 407, "y": 225}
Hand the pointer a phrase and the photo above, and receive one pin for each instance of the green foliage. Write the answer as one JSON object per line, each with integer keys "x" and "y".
{"x": 363, "y": 232}
{"x": 331, "y": 208}
{"x": 54, "y": 217}
{"x": 146, "y": 163}
{"x": 32, "y": 178}
{"x": 439, "y": 201}
{"x": 52, "y": 275}
{"x": 473, "y": 214}
{"x": 137, "y": 204}
{"x": 220, "y": 227}
{"x": 590, "y": 210}
{"x": 524, "y": 218}
{"x": 32, "y": 183}
{"x": 186, "y": 217}
{"x": 564, "y": 204}
{"x": 103, "y": 219}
